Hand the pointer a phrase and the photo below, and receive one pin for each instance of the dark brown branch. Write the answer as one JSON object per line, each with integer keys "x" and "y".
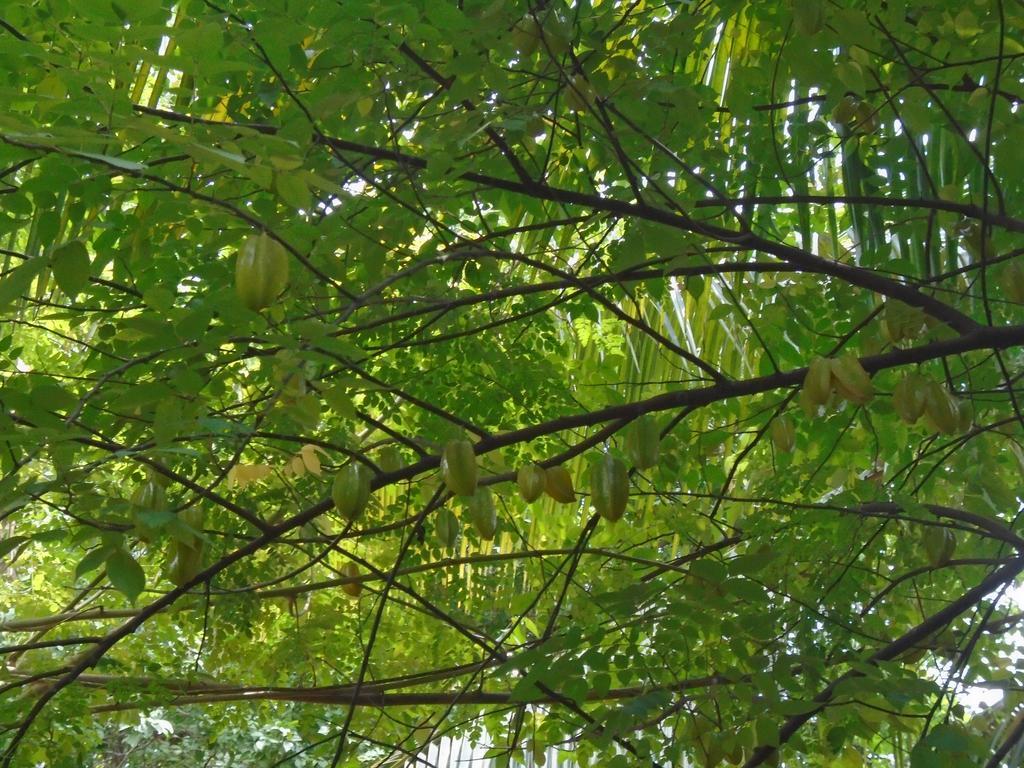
{"x": 1009, "y": 223}
{"x": 369, "y": 697}
{"x": 854, "y": 275}
{"x": 1011, "y": 740}
{"x": 446, "y": 83}
{"x": 903, "y": 643}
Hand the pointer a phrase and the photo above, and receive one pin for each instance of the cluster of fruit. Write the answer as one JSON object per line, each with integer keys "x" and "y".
{"x": 186, "y": 546}
{"x": 914, "y": 396}
{"x": 827, "y": 378}
{"x": 609, "y": 483}
{"x": 609, "y": 478}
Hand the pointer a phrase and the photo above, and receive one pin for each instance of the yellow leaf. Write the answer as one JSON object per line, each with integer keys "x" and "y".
{"x": 220, "y": 112}
{"x": 310, "y": 459}
{"x": 241, "y": 475}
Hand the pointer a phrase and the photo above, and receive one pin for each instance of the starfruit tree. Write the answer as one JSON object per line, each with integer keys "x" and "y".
{"x": 598, "y": 383}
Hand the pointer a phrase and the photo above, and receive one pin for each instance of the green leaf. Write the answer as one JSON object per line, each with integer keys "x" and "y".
{"x": 752, "y": 562}
{"x": 156, "y": 518}
{"x": 476, "y": 255}
{"x": 167, "y": 420}
{"x": 293, "y": 190}
{"x": 575, "y": 688}
{"x": 17, "y": 281}
{"x": 117, "y": 162}
{"x": 766, "y": 732}
{"x": 789, "y": 707}
{"x": 125, "y": 574}
{"x": 11, "y": 543}
{"x": 71, "y": 267}
{"x": 526, "y": 690}
{"x": 92, "y": 561}
{"x": 949, "y": 738}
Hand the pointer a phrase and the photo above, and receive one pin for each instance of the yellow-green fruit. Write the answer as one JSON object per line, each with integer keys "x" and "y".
{"x": 148, "y": 497}
{"x": 193, "y": 518}
{"x": 818, "y": 381}
{"x": 940, "y": 409}
{"x": 964, "y": 415}
{"x": 261, "y": 271}
{"x": 389, "y": 459}
{"x": 482, "y": 513}
{"x": 1013, "y": 282}
{"x": 851, "y": 380}
{"x": 350, "y": 490}
{"x": 352, "y": 588}
{"x": 939, "y": 545}
{"x": 901, "y": 321}
{"x": 525, "y": 36}
{"x": 558, "y": 34}
{"x": 735, "y": 755}
{"x": 186, "y": 562}
{"x": 866, "y": 118}
{"x": 458, "y": 466}
{"x": 979, "y": 246}
{"x": 294, "y": 386}
{"x": 446, "y": 526}
{"x": 808, "y": 406}
{"x": 531, "y": 480}
{"x": 558, "y": 484}
{"x": 643, "y": 442}
{"x": 609, "y": 487}
{"x": 908, "y": 397}
{"x": 539, "y": 754}
{"x": 783, "y": 433}
{"x": 579, "y": 94}
{"x": 845, "y": 110}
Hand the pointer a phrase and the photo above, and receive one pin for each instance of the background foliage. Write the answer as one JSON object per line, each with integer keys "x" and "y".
{"x": 528, "y": 226}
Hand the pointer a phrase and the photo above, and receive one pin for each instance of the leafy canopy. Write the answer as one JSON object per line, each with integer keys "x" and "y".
{"x": 751, "y": 269}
